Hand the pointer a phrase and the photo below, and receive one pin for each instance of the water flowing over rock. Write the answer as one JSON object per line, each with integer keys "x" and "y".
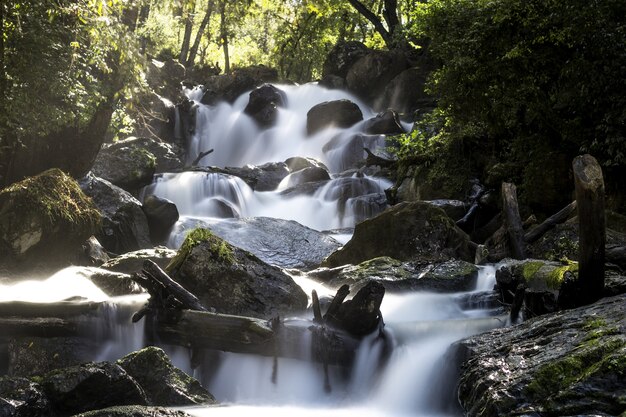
{"x": 349, "y": 147}
{"x": 162, "y": 382}
{"x": 161, "y": 214}
{"x": 406, "y": 231}
{"x": 124, "y": 224}
{"x": 44, "y": 220}
{"x": 264, "y": 177}
{"x": 337, "y": 113}
{"x": 232, "y": 280}
{"x": 562, "y": 364}
{"x": 263, "y": 104}
{"x": 111, "y": 283}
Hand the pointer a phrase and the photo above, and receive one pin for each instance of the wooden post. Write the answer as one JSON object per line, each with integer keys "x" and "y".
{"x": 592, "y": 227}
{"x": 513, "y": 221}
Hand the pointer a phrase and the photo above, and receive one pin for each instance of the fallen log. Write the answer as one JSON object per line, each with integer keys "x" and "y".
{"x": 43, "y": 327}
{"x": 24, "y": 309}
{"x": 536, "y": 232}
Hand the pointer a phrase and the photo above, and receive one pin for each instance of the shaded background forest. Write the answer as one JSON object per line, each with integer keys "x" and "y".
{"x": 521, "y": 86}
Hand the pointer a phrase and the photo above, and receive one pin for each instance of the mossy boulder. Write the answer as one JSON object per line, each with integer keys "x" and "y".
{"x": 407, "y": 231}
{"x": 163, "y": 383}
{"x": 233, "y": 281}
{"x": 44, "y": 220}
{"x": 91, "y": 386}
{"x": 21, "y": 397}
{"x": 562, "y": 364}
{"x": 134, "y": 411}
{"x": 126, "y": 164}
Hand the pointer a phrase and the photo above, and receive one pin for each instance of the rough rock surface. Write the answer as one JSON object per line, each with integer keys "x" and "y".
{"x": 134, "y": 411}
{"x": 407, "y": 231}
{"x": 124, "y": 224}
{"x": 384, "y": 123}
{"x": 264, "y": 103}
{"x": 163, "y": 383}
{"x": 264, "y": 177}
{"x": 228, "y": 87}
{"x": 133, "y": 261}
{"x": 342, "y": 57}
{"x": 368, "y": 77}
{"x": 161, "y": 214}
{"x": 126, "y": 164}
{"x": 20, "y": 397}
{"x": 564, "y": 364}
{"x": 232, "y": 280}
{"x": 44, "y": 221}
{"x": 337, "y": 113}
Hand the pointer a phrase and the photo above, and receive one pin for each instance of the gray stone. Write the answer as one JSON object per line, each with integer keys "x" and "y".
{"x": 126, "y": 164}
{"x": 337, "y": 113}
{"x": 161, "y": 214}
{"x": 264, "y": 103}
{"x": 21, "y": 397}
{"x": 134, "y": 411}
{"x": 131, "y": 262}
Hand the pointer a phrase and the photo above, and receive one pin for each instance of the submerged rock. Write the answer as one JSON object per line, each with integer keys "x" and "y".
{"x": 163, "y": 383}
{"x": 21, "y": 397}
{"x": 407, "y": 231}
{"x": 233, "y": 281}
{"x": 44, "y": 221}
{"x": 337, "y": 113}
{"x": 562, "y": 364}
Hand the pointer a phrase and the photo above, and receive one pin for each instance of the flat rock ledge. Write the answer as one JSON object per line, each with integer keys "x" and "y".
{"x": 570, "y": 363}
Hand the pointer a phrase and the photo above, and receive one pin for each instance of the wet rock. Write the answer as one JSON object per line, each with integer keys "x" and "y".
{"x": 407, "y": 231}
{"x": 333, "y": 82}
{"x": 44, "y": 221}
{"x": 360, "y": 315}
{"x": 125, "y": 164}
{"x": 131, "y": 262}
{"x": 399, "y": 276}
{"x": 124, "y": 224}
{"x": 20, "y": 397}
{"x": 405, "y": 92}
{"x": 297, "y": 163}
{"x": 341, "y": 58}
{"x": 264, "y": 177}
{"x": 309, "y": 174}
{"x": 384, "y": 123}
{"x": 368, "y": 77}
{"x": 232, "y": 280}
{"x": 345, "y": 151}
{"x": 264, "y": 103}
{"x": 337, "y": 113}
{"x": 91, "y": 386}
{"x": 163, "y": 383}
{"x": 229, "y": 87}
{"x": 368, "y": 205}
{"x": 284, "y": 243}
{"x": 562, "y": 364}
{"x": 93, "y": 253}
{"x": 161, "y": 214}
{"x": 134, "y": 411}
{"x": 111, "y": 283}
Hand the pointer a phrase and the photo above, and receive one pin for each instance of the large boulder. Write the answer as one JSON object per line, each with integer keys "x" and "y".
{"x": 232, "y": 280}
{"x": 163, "y": 383}
{"x": 264, "y": 177}
{"x": 21, "y": 397}
{"x": 309, "y": 174}
{"x": 407, "y": 231}
{"x": 44, "y": 221}
{"x": 368, "y": 77}
{"x": 162, "y": 214}
{"x": 229, "y": 87}
{"x": 384, "y": 123}
{"x": 405, "y": 92}
{"x": 131, "y": 262}
{"x": 337, "y": 113}
{"x": 91, "y": 386}
{"x": 341, "y": 58}
{"x": 134, "y": 411}
{"x": 124, "y": 224}
{"x": 570, "y": 363}
{"x": 166, "y": 77}
{"x": 125, "y": 164}
{"x": 264, "y": 103}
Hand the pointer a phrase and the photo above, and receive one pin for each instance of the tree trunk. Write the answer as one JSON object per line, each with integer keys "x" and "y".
{"x": 184, "y": 49}
{"x": 196, "y": 43}
{"x": 513, "y": 221}
{"x": 538, "y": 231}
{"x": 592, "y": 227}
{"x": 374, "y": 20}
{"x": 224, "y": 36}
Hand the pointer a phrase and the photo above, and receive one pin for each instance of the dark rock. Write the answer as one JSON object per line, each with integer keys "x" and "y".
{"x": 337, "y": 113}
{"x": 346, "y": 150}
{"x": 158, "y": 119}
{"x": 20, "y": 397}
{"x": 229, "y": 87}
{"x": 93, "y": 253}
{"x": 44, "y": 221}
{"x": 124, "y": 224}
{"x": 333, "y": 82}
{"x": 163, "y": 383}
{"x": 407, "y": 231}
{"x": 125, "y": 164}
{"x": 310, "y": 174}
{"x": 161, "y": 214}
{"x": 342, "y": 57}
{"x": 405, "y": 92}
{"x": 369, "y": 76}
{"x": 562, "y": 364}
{"x": 166, "y": 78}
{"x": 284, "y": 243}
{"x": 297, "y": 163}
{"x": 134, "y": 411}
{"x": 264, "y": 177}
{"x": 264, "y": 103}
{"x": 131, "y": 262}
{"x": 233, "y": 281}
{"x": 360, "y": 315}
{"x": 385, "y": 123}
{"x": 113, "y": 284}
{"x": 367, "y": 206}
{"x": 91, "y": 386}
{"x": 455, "y": 209}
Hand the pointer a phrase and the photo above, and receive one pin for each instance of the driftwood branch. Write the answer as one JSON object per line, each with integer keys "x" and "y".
{"x": 200, "y": 156}
{"x": 536, "y": 232}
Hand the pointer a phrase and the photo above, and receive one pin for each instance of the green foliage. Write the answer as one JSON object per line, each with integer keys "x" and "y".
{"x": 220, "y": 249}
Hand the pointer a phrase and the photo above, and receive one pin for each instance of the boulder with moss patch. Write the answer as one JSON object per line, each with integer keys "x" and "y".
{"x": 126, "y": 164}
{"x": 232, "y": 280}
{"x": 407, "y": 231}
{"x": 44, "y": 220}
{"x": 562, "y": 364}
{"x": 163, "y": 383}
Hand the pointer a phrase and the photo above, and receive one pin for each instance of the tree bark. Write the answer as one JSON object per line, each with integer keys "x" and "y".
{"x": 592, "y": 227}
{"x": 374, "y": 20}
{"x": 538, "y": 231}
{"x": 513, "y": 221}
{"x": 224, "y": 36}
{"x": 184, "y": 49}
{"x": 196, "y": 43}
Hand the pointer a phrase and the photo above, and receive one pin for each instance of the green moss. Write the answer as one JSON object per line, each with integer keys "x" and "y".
{"x": 530, "y": 269}
{"x": 220, "y": 249}
{"x": 55, "y": 195}
{"x": 143, "y": 154}
{"x": 555, "y": 278}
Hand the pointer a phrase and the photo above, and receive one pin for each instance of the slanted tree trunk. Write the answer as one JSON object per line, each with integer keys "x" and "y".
{"x": 513, "y": 221}
{"x": 184, "y": 49}
{"x": 592, "y": 227}
{"x": 385, "y": 33}
{"x": 196, "y": 43}
{"x": 224, "y": 36}
{"x": 538, "y": 231}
